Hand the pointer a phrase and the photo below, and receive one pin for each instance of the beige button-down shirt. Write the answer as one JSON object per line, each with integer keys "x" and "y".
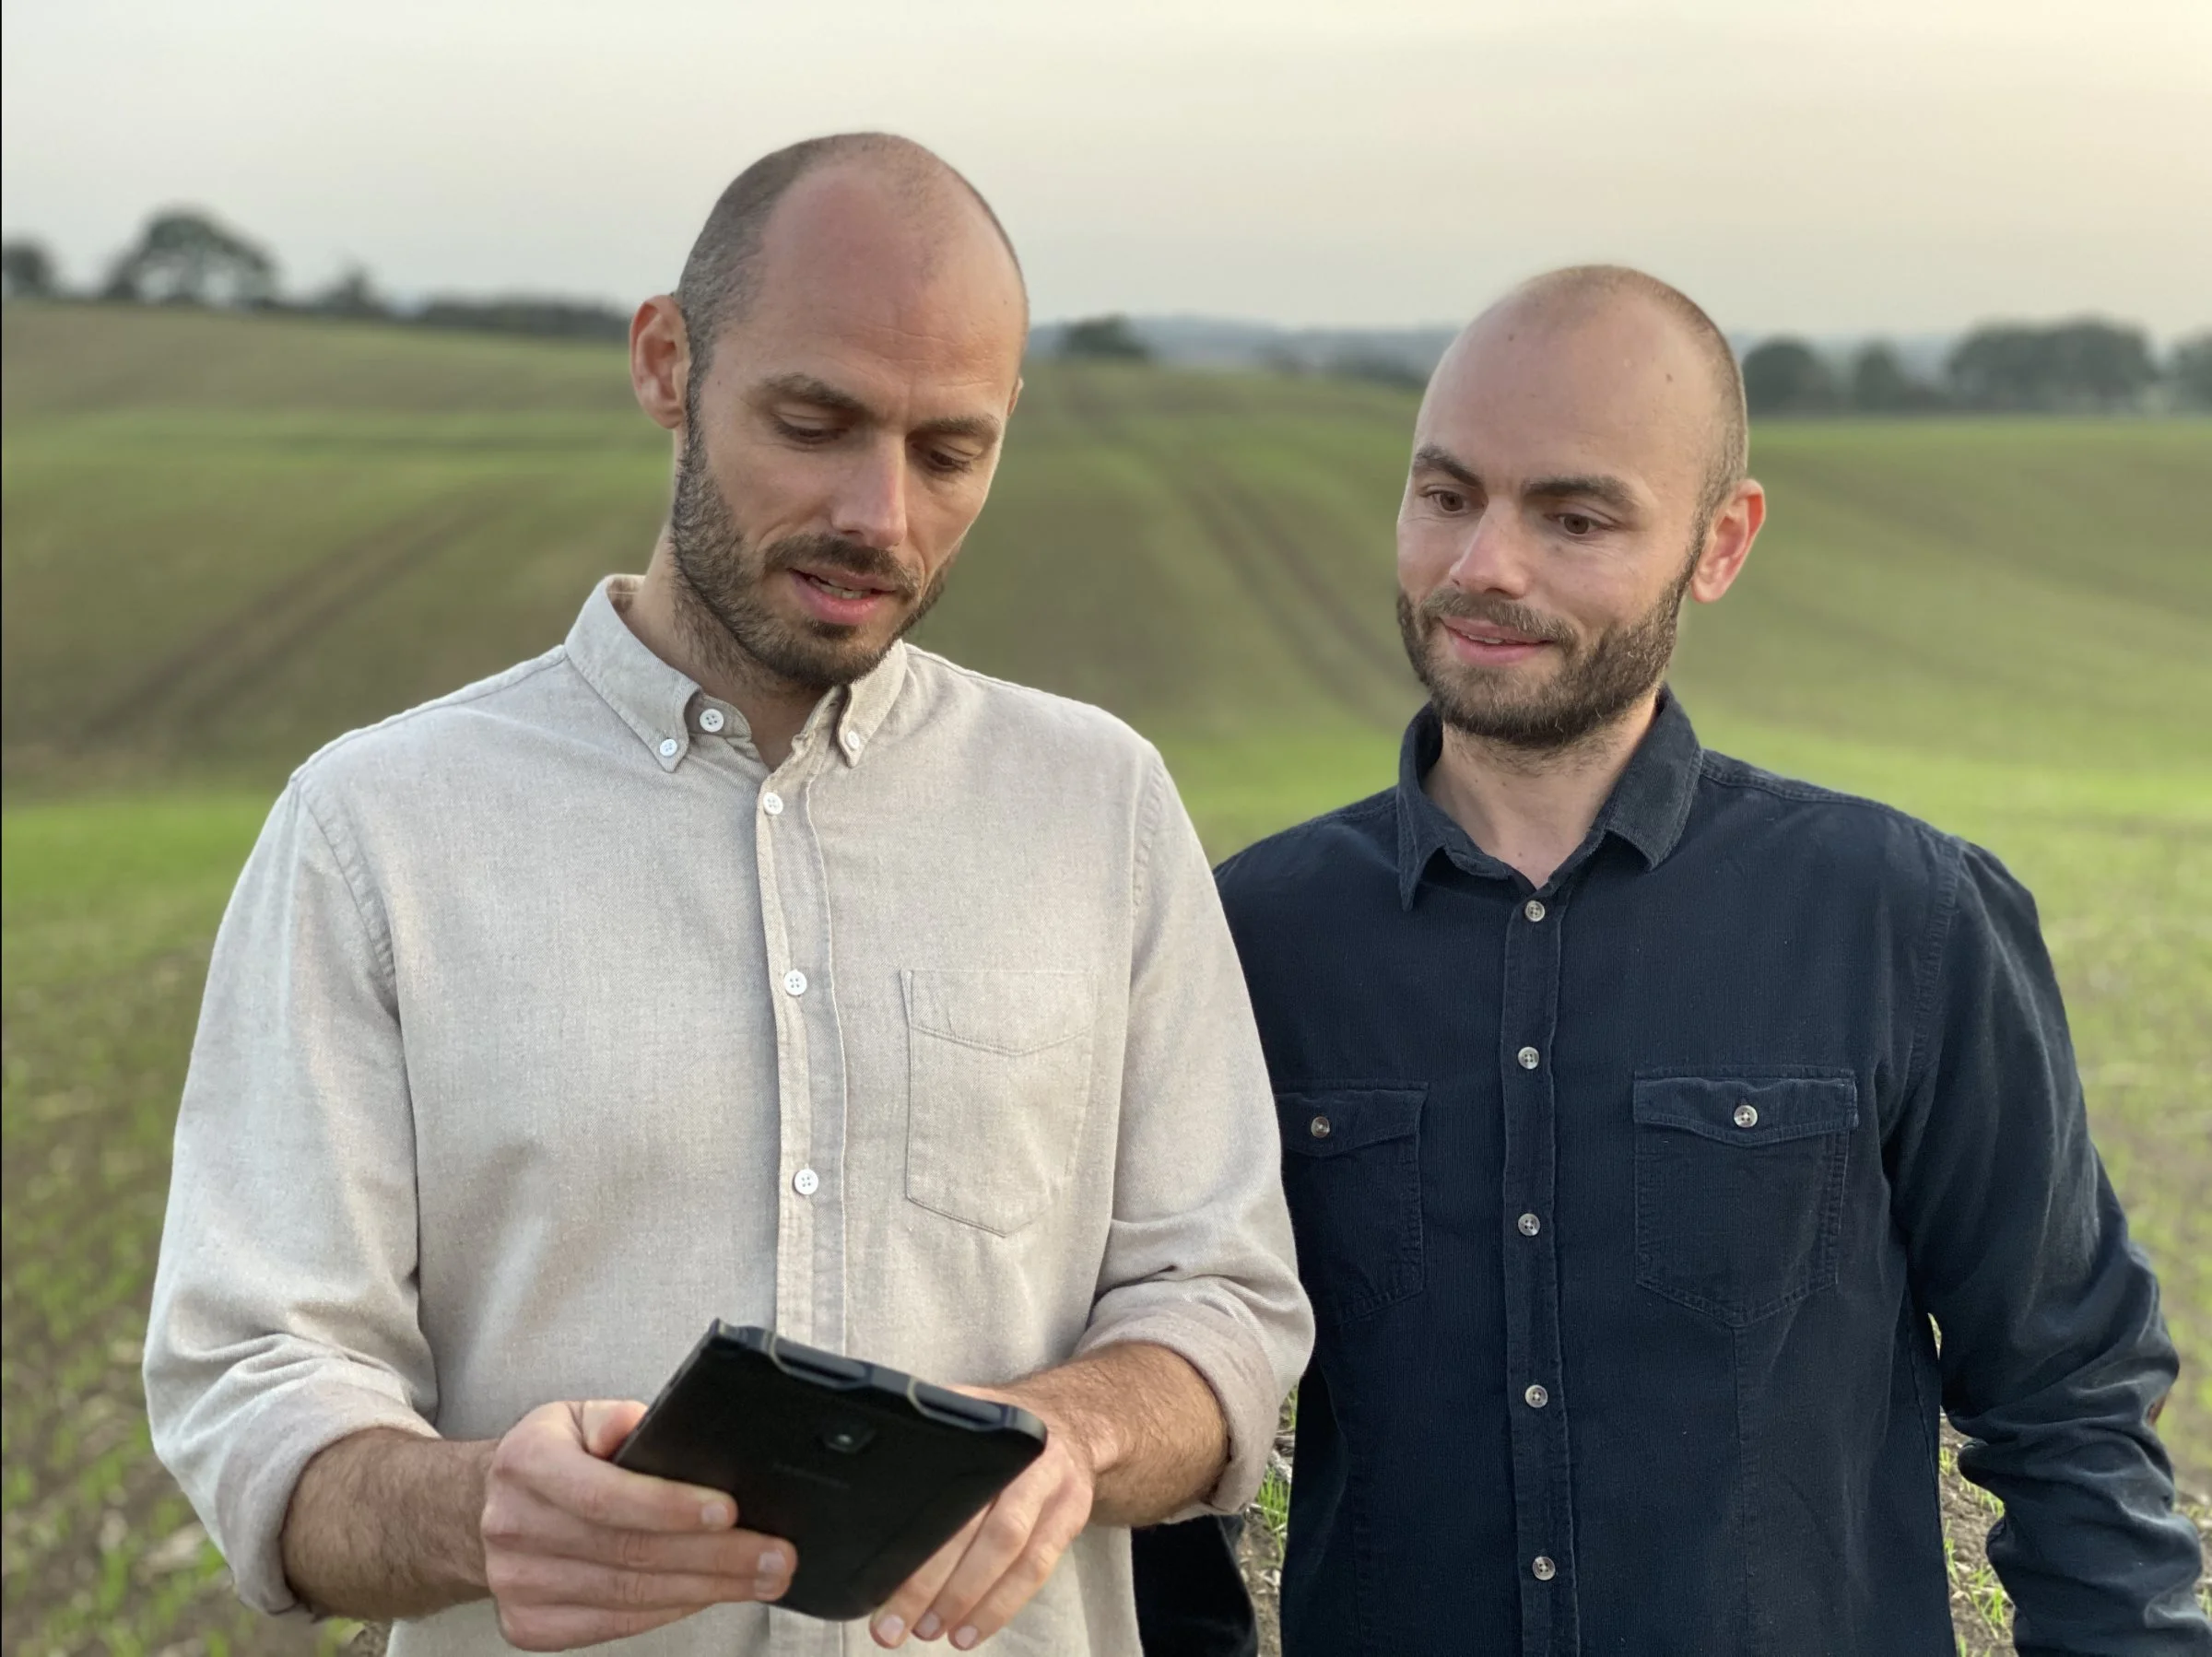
{"x": 547, "y": 1023}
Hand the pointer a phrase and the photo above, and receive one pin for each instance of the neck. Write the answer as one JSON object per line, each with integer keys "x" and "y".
{"x": 1530, "y": 808}
{"x": 671, "y": 622}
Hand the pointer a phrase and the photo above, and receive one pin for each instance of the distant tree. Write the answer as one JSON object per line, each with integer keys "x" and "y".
{"x": 185, "y": 257}
{"x": 27, "y": 270}
{"x": 2078, "y": 365}
{"x": 1880, "y": 384}
{"x": 352, "y": 293}
{"x": 524, "y": 313}
{"x": 1104, "y": 337}
{"x": 2191, "y": 371}
{"x": 1786, "y": 376}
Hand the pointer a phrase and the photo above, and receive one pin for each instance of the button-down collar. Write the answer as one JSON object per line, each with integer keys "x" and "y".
{"x": 1647, "y": 808}
{"x": 654, "y": 699}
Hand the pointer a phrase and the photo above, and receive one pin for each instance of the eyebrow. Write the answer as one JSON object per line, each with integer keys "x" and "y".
{"x": 805, "y": 388}
{"x": 1607, "y": 491}
{"x": 1430, "y": 458}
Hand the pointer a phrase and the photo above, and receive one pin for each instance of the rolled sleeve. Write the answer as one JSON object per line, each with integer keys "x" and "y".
{"x": 2052, "y": 1350}
{"x": 284, "y": 1313}
{"x": 1199, "y": 1257}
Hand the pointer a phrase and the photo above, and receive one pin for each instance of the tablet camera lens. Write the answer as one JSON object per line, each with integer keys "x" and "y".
{"x": 847, "y": 1438}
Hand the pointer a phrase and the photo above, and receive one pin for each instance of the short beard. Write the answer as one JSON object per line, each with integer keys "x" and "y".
{"x": 723, "y": 608}
{"x": 1596, "y": 684}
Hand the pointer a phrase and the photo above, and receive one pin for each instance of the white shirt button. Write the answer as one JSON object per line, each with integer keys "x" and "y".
{"x": 852, "y": 740}
{"x": 1542, "y": 1569}
{"x": 1529, "y": 1058}
{"x": 668, "y": 747}
{"x": 806, "y": 1182}
{"x": 1747, "y": 1116}
{"x": 710, "y": 721}
{"x": 1533, "y": 909}
{"x": 1537, "y": 1397}
{"x": 1320, "y": 1127}
{"x": 772, "y": 803}
{"x": 794, "y": 982}
{"x": 1530, "y": 1225}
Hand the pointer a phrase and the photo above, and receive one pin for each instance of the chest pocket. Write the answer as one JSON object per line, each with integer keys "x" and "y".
{"x": 1739, "y": 1188}
{"x": 1352, "y": 1172}
{"x": 999, "y": 1085}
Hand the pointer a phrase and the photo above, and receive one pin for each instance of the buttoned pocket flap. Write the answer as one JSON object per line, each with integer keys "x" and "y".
{"x": 1748, "y": 1110}
{"x": 1335, "y": 1121}
{"x": 999, "y": 1011}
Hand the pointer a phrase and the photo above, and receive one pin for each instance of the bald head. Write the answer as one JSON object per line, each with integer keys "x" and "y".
{"x": 1614, "y": 298}
{"x": 927, "y": 198}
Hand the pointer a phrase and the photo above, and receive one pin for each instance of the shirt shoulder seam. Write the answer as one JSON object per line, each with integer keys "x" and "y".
{"x": 522, "y": 673}
{"x": 366, "y": 908}
{"x": 1935, "y": 947}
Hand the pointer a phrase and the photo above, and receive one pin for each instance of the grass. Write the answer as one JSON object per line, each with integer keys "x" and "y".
{"x": 227, "y": 541}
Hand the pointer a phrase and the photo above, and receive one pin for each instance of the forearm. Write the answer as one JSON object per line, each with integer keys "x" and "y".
{"x": 1149, "y": 1426}
{"x": 386, "y": 1524}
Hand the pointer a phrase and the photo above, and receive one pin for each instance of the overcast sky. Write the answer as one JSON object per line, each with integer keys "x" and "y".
{"x": 1906, "y": 166}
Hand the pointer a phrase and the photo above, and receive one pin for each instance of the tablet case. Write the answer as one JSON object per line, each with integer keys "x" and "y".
{"x": 865, "y": 1470}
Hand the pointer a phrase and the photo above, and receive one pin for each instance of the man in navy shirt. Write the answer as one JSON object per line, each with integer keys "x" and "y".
{"x": 1670, "y": 1144}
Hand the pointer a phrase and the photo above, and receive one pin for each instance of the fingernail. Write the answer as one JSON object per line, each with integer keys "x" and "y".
{"x": 715, "y": 1514}
{"x": 774, "y": 1562}
{"x": 964, "y": 1639}
{"x": 929, "y": 1626}
{"x": 890, "y": 1629}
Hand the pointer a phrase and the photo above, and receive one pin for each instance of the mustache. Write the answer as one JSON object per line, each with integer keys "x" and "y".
{"x": 1453, "y": 603}
{"x": 827, "y": 554}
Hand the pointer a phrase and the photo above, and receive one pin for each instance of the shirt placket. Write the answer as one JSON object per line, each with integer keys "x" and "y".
{"x": 809, "y": 1069}
{"x": 794, "y": 908}
{"x": 1536, "y": 1402}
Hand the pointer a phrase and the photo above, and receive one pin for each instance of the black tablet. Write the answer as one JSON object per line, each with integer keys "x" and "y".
{"x": 865, "y": 1471}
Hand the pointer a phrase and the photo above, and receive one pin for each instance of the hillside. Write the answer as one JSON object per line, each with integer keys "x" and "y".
{"x": 228, "y": 539}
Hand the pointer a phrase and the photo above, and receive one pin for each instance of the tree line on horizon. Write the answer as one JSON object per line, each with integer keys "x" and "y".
{"x": 2087, "y": 365}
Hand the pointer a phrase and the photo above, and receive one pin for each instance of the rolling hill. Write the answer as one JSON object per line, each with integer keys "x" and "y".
{"x": 228, "y": 539}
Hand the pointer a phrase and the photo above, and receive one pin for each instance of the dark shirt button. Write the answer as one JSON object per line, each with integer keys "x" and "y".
{"x": 1543, "y": 1569}
{"x": 1530, "y": 1225}
{"x": 1747, "y": 1116}
{"x": 1319, "y": 1127}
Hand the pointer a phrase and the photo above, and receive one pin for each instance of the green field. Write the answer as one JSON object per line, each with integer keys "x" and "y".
{"x": 228, "y": 540}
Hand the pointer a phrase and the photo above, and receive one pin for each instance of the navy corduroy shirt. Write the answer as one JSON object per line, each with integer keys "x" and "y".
{"x": 1630, "y": 1207}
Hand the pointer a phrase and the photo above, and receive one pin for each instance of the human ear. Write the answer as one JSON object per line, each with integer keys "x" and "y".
{"x": 660, "y": 360}
{"x": 1728, "y": 542}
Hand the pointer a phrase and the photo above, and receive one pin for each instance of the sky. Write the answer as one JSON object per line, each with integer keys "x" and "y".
{"x": 1907, "y": 167}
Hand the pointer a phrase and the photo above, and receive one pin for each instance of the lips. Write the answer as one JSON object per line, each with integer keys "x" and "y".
{"x": 1483, "y": 632}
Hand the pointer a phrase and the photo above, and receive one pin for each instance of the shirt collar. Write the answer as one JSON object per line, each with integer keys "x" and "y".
{"x": 1647, "y": 808}
{"x": 654, "y": 699}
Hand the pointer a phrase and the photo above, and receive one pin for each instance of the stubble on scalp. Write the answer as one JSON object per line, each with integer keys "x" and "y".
{"x": 1601, "y": 678}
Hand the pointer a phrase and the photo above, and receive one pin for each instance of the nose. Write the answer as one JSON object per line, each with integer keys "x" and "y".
{"x": 870, "y": 503}
{"x": 1493, "y": 557}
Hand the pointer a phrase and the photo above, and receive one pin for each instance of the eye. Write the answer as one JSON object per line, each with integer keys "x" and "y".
{"x": 1447, "y": 500}
{"x": 808, "y": 435}
{"x": 948, "y": 462}
{"x": 1578, "y": 526}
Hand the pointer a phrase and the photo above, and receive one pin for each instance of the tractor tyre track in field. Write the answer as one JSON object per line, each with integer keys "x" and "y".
{"x": 194, "y": 684}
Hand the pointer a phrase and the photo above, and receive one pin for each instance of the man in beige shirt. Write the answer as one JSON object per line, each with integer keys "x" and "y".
{"x": 733, "y": 958}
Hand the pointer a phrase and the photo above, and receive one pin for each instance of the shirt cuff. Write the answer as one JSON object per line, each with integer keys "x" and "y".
{"x": 253, "y": 1492}
{"x": 1231, "y": 1363}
